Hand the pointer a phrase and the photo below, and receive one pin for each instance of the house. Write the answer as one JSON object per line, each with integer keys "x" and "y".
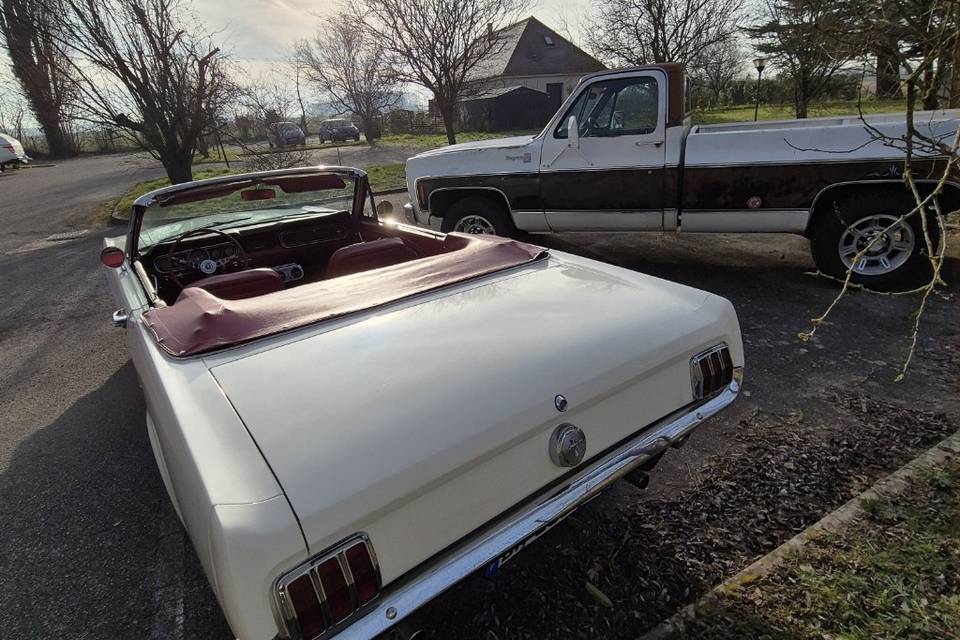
{"x": 503, "y": 108}
{"x": 536, "y": 57}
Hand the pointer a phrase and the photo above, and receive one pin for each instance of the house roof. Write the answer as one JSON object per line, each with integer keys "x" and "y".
{"x": 527, "y": 51}
{"x": 496, "y": 92}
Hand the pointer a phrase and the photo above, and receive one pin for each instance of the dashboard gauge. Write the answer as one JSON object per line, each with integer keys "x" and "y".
{"x": 197, "y": 256}
{"x": 208, "y": 266}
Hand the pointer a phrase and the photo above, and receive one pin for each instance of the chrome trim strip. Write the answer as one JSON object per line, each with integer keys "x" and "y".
{"x": 605, "y": 220}
{"x": 789, "y": 163}
{"x": 407, "y": 595}
{"x": 743, "y": 220}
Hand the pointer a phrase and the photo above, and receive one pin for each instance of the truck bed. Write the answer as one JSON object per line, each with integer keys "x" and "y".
{"x": 835, "y": 138}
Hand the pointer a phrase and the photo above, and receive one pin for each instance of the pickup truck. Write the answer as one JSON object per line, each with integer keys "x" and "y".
{"x": 622, "y": 155}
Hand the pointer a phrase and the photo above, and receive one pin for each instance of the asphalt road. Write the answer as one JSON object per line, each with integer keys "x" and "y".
{"x": 90, "y": 547}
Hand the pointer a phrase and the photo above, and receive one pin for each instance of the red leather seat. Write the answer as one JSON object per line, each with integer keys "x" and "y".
{"x": 364, "y": 256}
{"x": 240, "y": 284}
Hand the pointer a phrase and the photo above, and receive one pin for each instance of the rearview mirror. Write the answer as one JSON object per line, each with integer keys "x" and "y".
{"x": 258, "y": 194}
{"x": 573, "y": 133}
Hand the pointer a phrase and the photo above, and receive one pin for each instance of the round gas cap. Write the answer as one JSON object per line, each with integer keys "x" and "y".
{"x": 568, "y": 444}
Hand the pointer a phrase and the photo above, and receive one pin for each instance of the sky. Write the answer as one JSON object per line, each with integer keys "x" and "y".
{"x": 260, "y": 30}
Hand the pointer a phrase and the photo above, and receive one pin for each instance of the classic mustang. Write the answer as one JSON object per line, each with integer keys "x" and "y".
{"x": 352, "y": 415}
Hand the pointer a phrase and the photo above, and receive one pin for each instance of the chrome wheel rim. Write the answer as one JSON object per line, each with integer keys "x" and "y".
{"x": 876, "y": 249}
{"x": 475, "y": 224}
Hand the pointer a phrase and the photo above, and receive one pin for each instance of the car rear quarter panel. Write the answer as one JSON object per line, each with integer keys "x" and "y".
{"x": 239, "y": 522}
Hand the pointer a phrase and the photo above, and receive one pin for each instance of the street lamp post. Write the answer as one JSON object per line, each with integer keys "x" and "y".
{"x": 759, "y": 63}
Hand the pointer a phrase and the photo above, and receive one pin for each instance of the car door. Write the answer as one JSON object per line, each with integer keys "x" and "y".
{"x": 612, "y": 178}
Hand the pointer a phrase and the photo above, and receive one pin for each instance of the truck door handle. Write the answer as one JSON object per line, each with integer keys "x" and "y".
{"x": 644, "y": 143}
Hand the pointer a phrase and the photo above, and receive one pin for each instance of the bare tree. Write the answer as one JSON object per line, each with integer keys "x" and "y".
{"x": 717, "y": 67}
{"x": 137, "y": 67}
{"x": 801, "y": 36}
{"x": 438, "y": 43}
{"x": 938, "y": 37}
{"x": 345, "y": 63}
{"x": 12, "y": 111}
{"x": 29, "y": 29}
{"x": 635, "y": 32}
{"x": 266, "y": 101}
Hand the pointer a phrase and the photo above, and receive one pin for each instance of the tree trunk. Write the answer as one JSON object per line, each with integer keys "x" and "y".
{"x": 931, "y": 100}
{"x": 953, "y": 96}
{"x": 58, "y": 146}
{"x": 888, "y": 72}
{"x": 179, "y": 167}
{"x": 448, "y": 112}
{"x": 800, "y": 101}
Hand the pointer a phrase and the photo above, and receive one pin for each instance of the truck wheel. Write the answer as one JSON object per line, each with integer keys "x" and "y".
{"x": 478, "y": 215}
{"x": 897, "y": 259}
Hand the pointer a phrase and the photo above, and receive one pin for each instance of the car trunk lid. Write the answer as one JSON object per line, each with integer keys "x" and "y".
{"x": 419, "y": 423}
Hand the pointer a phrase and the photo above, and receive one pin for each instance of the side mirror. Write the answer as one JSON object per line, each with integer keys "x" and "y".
{"x": 384, "y": 209}
{"x": 112, "y": 257}
{"x": 573, "y": 133}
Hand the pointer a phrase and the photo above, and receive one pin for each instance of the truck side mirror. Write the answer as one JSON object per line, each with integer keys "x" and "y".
{"x": 573, "y": 133}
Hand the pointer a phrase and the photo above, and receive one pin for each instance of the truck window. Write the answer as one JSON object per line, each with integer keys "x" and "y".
{"x": 621, "y": 107}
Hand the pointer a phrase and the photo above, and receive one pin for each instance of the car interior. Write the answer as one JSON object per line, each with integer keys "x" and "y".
{"x": 256, "y": 259}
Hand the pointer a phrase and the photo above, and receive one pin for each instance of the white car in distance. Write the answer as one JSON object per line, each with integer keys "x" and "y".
{"x": 11, "y": 152}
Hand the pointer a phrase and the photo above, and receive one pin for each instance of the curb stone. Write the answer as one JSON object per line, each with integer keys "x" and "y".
{"x": 834, "y": 522}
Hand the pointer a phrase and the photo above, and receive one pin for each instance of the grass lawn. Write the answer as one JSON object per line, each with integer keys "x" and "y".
{"x": 895, "y": 574}
{"x": 434, "y": 140}
{"x": 123, "y": 205}
{"x": 384, "y": 177}
{"x": 744, "y": 113}
{"x": 216, "y": 156}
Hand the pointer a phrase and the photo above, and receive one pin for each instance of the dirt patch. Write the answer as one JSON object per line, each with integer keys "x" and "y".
{"x": 644, "y": 560}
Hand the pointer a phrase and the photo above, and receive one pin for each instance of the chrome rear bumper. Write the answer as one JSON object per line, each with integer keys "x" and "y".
{"x": 509, "y": 534}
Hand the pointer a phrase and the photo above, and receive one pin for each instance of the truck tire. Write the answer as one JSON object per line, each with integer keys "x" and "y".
{"x": 897, "y": 260}
{"x": 478, "y": 215}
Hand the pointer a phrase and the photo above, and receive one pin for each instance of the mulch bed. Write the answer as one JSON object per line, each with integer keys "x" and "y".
{"x": 620, "y": 566}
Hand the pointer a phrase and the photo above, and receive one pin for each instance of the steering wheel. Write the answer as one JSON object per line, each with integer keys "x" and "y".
{"x": 237, "y": 262}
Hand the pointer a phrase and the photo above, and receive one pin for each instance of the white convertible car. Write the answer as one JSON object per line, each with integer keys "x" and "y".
{"x": 350, "y": 415}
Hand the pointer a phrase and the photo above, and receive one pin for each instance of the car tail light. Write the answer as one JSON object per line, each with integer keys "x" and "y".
{"x": 325, "y": 592}
{"x": 307, "y": 605}
{"x": 8, "y": 147}
{"x": 365, "y": 576}
{"x": 711, "y": 371}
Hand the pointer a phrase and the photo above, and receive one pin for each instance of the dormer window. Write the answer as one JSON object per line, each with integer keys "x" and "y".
{"x": 547, "y": 40}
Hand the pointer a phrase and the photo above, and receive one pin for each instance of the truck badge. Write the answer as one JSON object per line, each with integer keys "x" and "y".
{"x": 568, "y": 444}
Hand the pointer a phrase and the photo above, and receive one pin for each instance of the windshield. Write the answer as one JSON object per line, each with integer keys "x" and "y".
{"x": 337, "y": 123}
{"x": 244, "y": 202}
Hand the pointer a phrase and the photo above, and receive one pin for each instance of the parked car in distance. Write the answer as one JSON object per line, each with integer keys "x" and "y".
{"x": 286, "y": 134}
{"x": 622, "y": 155}
{"x": 11, "y": 152}
{"x": 338, "y": 130}
{"x": 313, "y": 405}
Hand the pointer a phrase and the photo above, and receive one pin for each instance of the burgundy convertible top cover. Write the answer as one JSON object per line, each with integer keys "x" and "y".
{"x": 200, "y": 322}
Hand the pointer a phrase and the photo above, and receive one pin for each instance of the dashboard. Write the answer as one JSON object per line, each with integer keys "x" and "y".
{"x": 191, "y": 259}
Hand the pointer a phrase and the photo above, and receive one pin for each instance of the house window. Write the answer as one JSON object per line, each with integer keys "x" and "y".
{"x": 547, "y": 40}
